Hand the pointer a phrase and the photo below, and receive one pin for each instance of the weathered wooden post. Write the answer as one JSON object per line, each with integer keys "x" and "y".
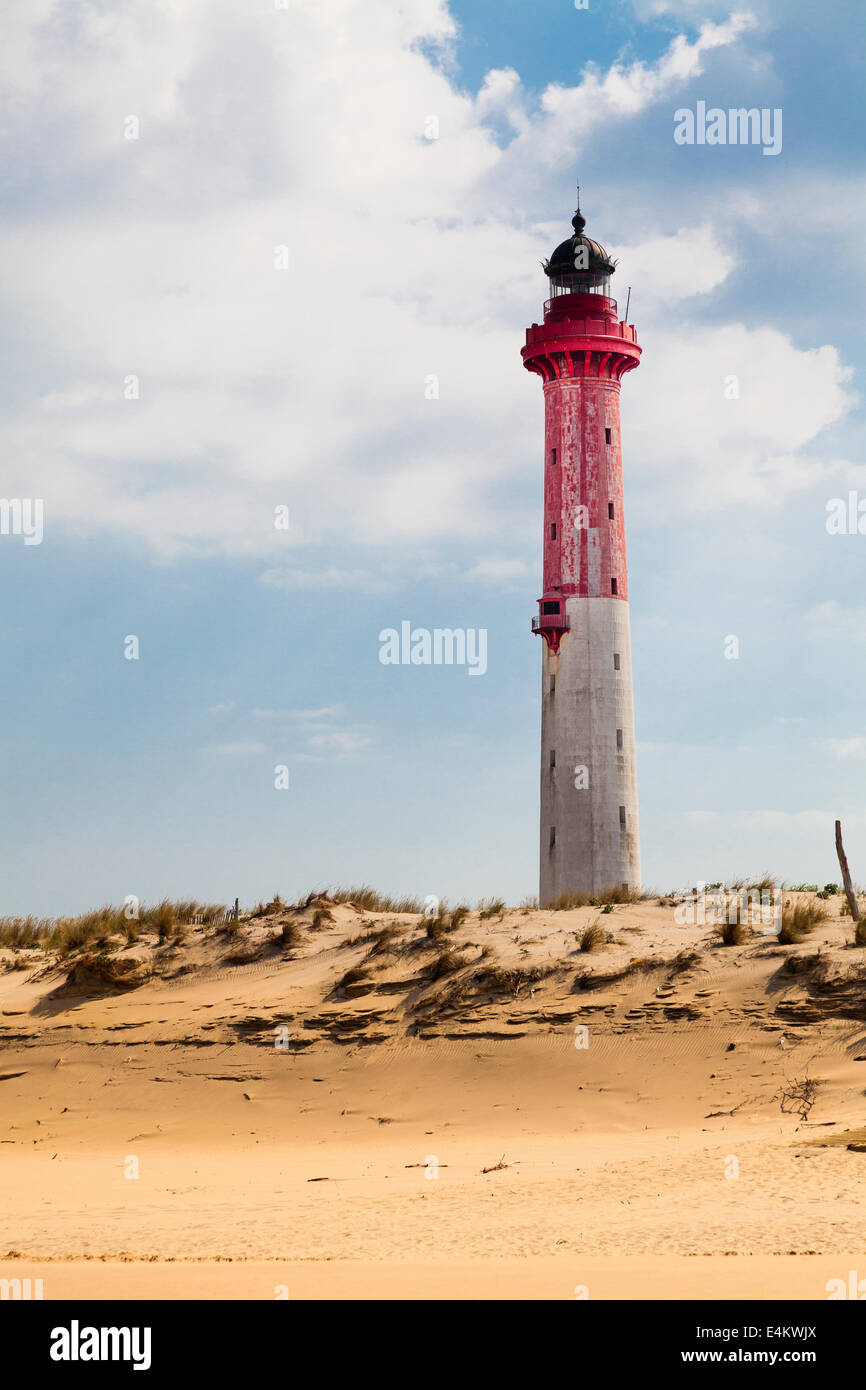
{"x": 846, "y": 875}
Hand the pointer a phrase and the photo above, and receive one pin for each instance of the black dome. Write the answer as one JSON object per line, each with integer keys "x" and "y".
{"x": 594, "y": 264}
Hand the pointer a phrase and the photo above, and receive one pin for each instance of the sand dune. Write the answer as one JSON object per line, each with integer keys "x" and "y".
{"x": 179, "y": 1124}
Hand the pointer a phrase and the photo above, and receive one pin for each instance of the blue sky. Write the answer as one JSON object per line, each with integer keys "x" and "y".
{"x": 257, "y": 387}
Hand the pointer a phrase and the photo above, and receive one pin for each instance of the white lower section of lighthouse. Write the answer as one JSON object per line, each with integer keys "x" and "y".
{"x": 589, "y": 816}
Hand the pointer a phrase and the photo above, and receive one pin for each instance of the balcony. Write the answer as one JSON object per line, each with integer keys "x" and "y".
{"x": 551, "y": 622}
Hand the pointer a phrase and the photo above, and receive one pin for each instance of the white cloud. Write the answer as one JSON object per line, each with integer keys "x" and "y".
{"x": 324, "y": 712}
{"x": 847, "y": 747}
{"x": 340, "y": 741}
{"x": 692, "y": 261}
{"x": 408, "y": 260}
{"x": 695, "y": 448}
{"x": 503, "y": 571}
{"x": 240, "y": 750}
{"x": 833, "y": 623}
{"x": 329, "y": 577}
{"x": 625, "y": 91}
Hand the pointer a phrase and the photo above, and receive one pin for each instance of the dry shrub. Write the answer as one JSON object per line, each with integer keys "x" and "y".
{"x": 446, "y": 963}
{"x": 244, "y": 954}
{"x": 687, "y": 959}
{"x": 24, "y": 931}
{"x": 66, "y": 934}
{"x": 271, "y": 909}
{"x": 384, "y": 939}
{"x": 354, "y": 976}
{"x": 592, "y": 938}
{"x": 490, "y": 907}
{"x": 497, "y": 980}
{"x": 733, "y": 933}
{"x": 798, "y": 1096}
{"x": 567, "y": 901}
{"x": 365, "y": 898}
{"x": 799, "y": 917}
{"x": 767, "y": 883}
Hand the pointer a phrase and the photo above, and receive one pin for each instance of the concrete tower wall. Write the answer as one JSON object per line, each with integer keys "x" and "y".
{"x": 588, "y": 843}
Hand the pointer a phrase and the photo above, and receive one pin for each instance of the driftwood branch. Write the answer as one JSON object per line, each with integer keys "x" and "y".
{"x": 846, "y": 875}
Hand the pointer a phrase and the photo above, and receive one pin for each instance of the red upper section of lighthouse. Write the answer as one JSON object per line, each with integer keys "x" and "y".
{"x": 581, "y": 351}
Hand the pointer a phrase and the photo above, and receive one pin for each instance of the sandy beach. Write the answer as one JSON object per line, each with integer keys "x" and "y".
{"x": 255, "y": 1129}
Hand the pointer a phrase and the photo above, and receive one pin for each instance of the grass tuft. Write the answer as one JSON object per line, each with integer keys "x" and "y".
{"x": 799, "y": 918}
{"x": 354, "y": 976}
{"x": 567, "y": 901}
{"x": 383, "y": 940}
{"x": 446, "y": 963}
{"x": 365, "y": 898}
{"x": 490, "y": 907}
{"x": 592, "y": 938}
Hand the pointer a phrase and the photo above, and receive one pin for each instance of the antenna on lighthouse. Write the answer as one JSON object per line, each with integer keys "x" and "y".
{"x": 627, "y": 302}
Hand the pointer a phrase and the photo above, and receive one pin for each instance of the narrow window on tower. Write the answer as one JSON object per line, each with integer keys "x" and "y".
{"x": 553, "y": 457}
{"x": 610, "y": 510}
{"x": 607, "y": 436}
{"x": 613, "y": 586}
{"x": 553, "y": 757}
{"x": 553, "y": 532}
{"x": 619, "y": 738}
{"x": 616, "y": 661}
{"x": 553, "y": 685}
{"x": 622, "y": 815}
{"x": 553, "y": 837}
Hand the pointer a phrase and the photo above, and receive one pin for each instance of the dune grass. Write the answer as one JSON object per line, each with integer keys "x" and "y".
{"x": 364, "y": 897}
{"x": 608, "y": 898}
{"x": 593, "y": 937}
{"x": 490, "y": 907}
{"x": 446, "y": 963}
{"x": 734, "y": 933}
{"x": 65, "y": 934}
{"x": 383, "y": 941}
{"x": 799, "y": 918}
{"x": 354, "y": 976}
{"x": 290, "y": 935}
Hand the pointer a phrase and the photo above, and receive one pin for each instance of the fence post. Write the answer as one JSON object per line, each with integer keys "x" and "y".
{"x": 846, "y": 875}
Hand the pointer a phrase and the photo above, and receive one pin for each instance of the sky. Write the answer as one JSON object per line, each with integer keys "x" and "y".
{"x": 266, "y": 260}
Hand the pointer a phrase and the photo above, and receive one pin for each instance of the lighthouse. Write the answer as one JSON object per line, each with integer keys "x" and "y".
{"x": 589, "y": 840}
